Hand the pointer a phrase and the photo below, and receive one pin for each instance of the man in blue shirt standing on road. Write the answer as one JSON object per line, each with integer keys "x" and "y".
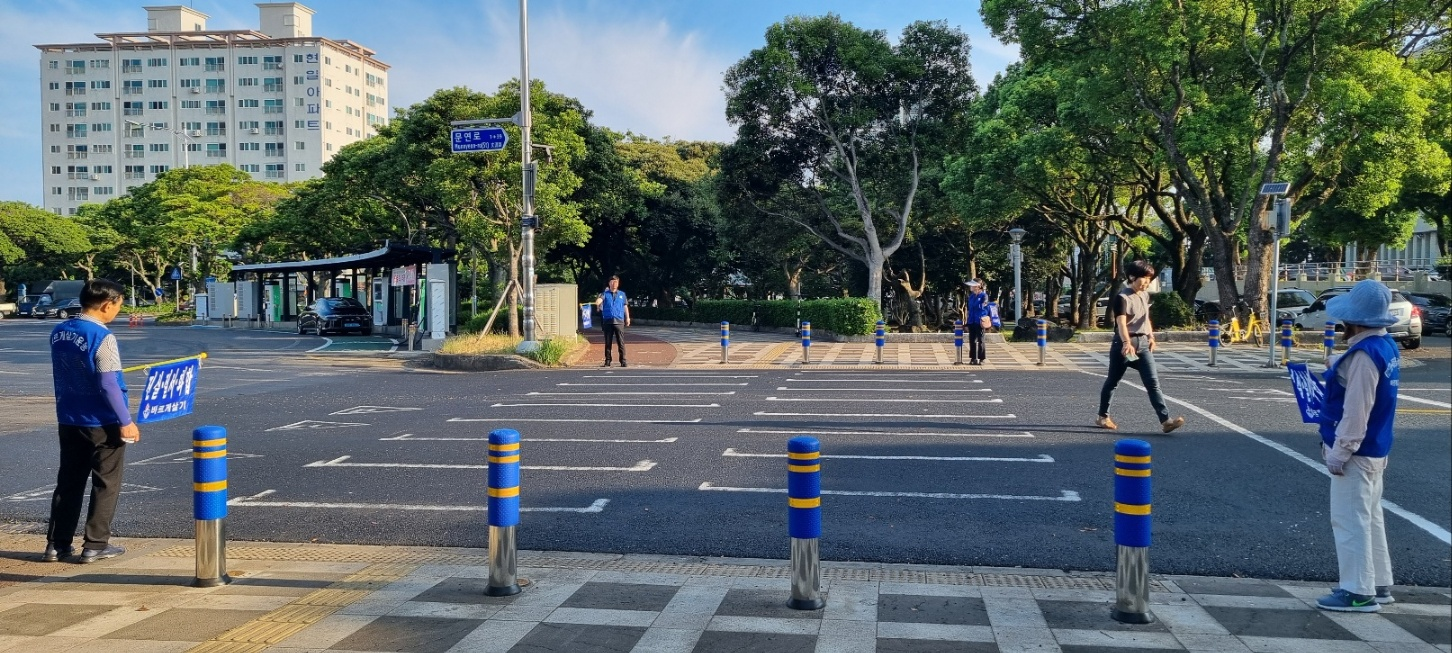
{"x": 1356, "y": 435}
{"x": 95, "y": 424}
{"x": 614, "y": 317}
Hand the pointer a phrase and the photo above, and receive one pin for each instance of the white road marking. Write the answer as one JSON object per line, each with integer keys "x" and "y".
{"x": 1041, "y": 458}
{"x": 1419, "y": 521}
{"x": 185, "y": 455}
{"x": 1419, "y": 400}
{"x": 1065, "y": 495}
{"x": 1024, "y": 434}
{"x": 253, "y": 502}
{"x": 315, "y": 424}
{"x": 1280, "y": 400}
{"x": 363, "y": 410}
{"x": 592, "y": 394}
{"x": 1008, "y": 416}
{"x": 592, "y": 421}
{"x": 327, "y": 342}
{"x": 667, "y": 376}
{"x": 408, "y": 437}
{"x": 1253, "y": 391}
{"x": 617, "y": 385}
{"x": 44, "y": 493}
{"x": 877, "y": 381}
{"x": 15, "y": 373}
{"x": 898, "y": 401}
{"x": 214, "y": 366}
{"x": 642, "y": 466}
{"x": 611, "y": 405}
{"x": 899, "y": 390}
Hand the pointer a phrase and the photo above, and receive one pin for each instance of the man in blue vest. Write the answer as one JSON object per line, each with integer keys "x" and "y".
{"x": 1356, "y": 435}
{"x": 614, "y": 317}
{"x": 95, "y": 424}
{"x": 977, "y": 316}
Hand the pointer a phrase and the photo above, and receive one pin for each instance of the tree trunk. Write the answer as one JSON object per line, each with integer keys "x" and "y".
{"x": 514, "y": 254}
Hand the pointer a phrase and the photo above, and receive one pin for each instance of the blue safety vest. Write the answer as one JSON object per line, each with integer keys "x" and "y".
{"x": 977, "y": 307}
{"x": 79, "y": 400}
{"x": 1383, "y": 352}
{"x": 613, "y": 306}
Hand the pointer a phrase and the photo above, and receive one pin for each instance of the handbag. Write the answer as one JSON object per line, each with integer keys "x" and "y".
{"x": 985, "y": 322}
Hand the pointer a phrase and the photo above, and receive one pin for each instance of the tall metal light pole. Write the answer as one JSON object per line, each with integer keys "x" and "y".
{"x": 527, "y": 209}
{"x": 1017, "y": 254}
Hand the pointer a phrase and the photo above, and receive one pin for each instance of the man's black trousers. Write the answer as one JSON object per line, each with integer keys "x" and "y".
{"x": 98, "y": 453}
{"x": 614, "y": 332}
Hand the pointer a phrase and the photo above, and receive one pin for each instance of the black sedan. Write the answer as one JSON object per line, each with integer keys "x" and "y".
{"x": 64, "y": 309}
{"x": 336, "y": 314}
{"x": 1435, "y": 308}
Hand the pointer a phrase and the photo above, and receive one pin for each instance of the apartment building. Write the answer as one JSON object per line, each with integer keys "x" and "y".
{"x": 276, "y": 102}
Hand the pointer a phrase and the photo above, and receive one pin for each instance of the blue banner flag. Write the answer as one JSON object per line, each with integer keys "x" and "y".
{"x": 993, "y": 315}
{"x": 170, "y": 391}
{"x": 584, "y": 316}
{"x": 1310, "y": 392}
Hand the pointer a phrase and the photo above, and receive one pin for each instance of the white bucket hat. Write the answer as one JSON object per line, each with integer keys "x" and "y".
{"x": 1366, "y": 305}
{"x": 973, "y": 284}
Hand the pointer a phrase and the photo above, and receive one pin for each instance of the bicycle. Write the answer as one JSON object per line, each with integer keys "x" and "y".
{"x": 1253, "y": 331}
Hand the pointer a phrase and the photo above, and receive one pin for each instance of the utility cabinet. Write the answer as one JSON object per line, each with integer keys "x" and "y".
{"x": 556, "y": 310}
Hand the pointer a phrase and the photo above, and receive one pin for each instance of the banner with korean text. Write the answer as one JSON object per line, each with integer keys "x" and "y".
{"x": 1310, "y": 392}
{"x": 171, "y": 391}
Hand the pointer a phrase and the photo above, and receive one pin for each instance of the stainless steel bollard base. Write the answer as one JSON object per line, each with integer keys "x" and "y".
{"x": 725, "y": 355}
{"x": 211, "y": 553}
{"x": 1041, "y": 356}
{"x": 1131, "y": 585}
{"x": 503, "y": 562}
{"x": 1212, "y": 356}
{"x": 806, "y": 576}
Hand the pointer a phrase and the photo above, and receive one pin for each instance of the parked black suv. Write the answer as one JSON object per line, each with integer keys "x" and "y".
{"x": 1435, "y": 308}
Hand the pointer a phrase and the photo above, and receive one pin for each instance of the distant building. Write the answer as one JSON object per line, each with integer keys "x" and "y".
{"x": 276, "y": 103}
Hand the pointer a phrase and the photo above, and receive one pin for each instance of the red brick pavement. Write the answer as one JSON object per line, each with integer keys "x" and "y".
{"x": 640, "y": 350}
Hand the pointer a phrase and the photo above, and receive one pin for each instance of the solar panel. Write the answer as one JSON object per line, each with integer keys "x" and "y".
{"x": 1275, "y": 188}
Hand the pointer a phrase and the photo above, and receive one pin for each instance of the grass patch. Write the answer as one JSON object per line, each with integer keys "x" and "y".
{"x": 554, "y": 350}
{"x": 175, "y": 318}
{"x": 479, "y": 343}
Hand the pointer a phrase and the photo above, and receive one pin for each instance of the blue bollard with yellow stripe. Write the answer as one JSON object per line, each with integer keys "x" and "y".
{"x": 806, "y": 342}
{"x": 804, "y": 521}
{"x": 1288, "y": 340}
{"x": 1328, "y": 341}
{"x": 958, "y": 341}
{"x": 1132, "y": 531}
{"x": 881, "y": 339}
{"x": 503, "y": 512}
{"x": 1041, "y": 335}
{"x": 209, "y": 504}
{"x": 725, "y": 341}
{"x": 1214, "y": 340}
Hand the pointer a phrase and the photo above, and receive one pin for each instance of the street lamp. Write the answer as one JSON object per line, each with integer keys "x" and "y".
{"x": 186, "y": 150}
{"x": 1017, "y": 255}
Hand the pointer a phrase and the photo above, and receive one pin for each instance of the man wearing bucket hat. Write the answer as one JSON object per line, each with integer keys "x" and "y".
{"x": 1356, "y": 435}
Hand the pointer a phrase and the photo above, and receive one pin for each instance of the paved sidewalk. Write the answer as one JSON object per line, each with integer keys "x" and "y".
{"x": 308, "y": 597}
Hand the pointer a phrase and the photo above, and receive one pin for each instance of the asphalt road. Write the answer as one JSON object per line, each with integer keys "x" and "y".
{"x": 1000, "y": 468}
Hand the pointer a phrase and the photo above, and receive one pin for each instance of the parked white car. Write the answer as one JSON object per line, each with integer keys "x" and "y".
{"x": 1407, "y": 331}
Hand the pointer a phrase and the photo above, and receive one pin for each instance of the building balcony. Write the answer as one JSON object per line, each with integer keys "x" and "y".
{"x": 216, "y": 154}
{"x": 272, "y": 88}
{"x": 131, "y": 112}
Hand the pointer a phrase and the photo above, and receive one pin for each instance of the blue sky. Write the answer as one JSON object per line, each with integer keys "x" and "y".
{"x": 649, "y": 66}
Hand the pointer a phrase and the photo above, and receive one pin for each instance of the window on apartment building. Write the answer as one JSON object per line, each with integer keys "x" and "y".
{"x": 297, "y": 58}
{"x": 130, "y": 65}
{"x": 248, "y": 124}
{"x": 56, "y": 190}
{"x": 330, "y": 147}
{"x": 216, "y": 129}
{"x": 275, "y": 171}
{"x": 160, "y": 147}
{"x": 55, "y": 128}
{"x": 104, "y": 190}
{"x": 77, "y": 172}
{"x": 55, "y": 86}
{"x": 328, "y": 103}
{"x": 189, "y": 61}
{"x": 135, "y": 130}
{"x": 246, "y": 81}
{"x": 53, "y": 65}
{"x": 134, "y": 172}
{"x": 297, "y": 80}
{"x": 158, "y": 105}
{"x": 300, "y": 145}
{"x": 216, "y": 150}
{"x": 75, "y": 88}
{"x": 100, "y": 84}
{"x": 157, "y": 62}
{"x": 55, "y": 106}
{"x": 274, "y": 149}
{"x": 77, "y": 67}
{"x": 100, "y": 63}
{"x": 300, "y": 167}
{"x": 272, "y": 85}
{"x": 216, "y": 107}
{"x": 272, "y": 106}
{"x": 274, "y": 127}
{"x": 156, "y": 170}
{"x": 272, "y": 62}
{"x": 55, "y": 170}
{"x": 101, "y": 149}
{"x": 194, "y": 147}
{"x": 297, "y": 102}
{"x": 105, "y": 170}
{"x": 247, "y": 61}
{"x": 216, "y": 86}
{"x": 248, "y": 104}
{"x": 75, "y": 109}
{"x": 250, "y": 167}
{"x": 100, "y": 106}
{"x": 328, "y": 125}
{"x": 79, "y": 193}
{"x": 249, "y": 147}
{"x": 328, "y": 83}
{"x": 299, "y": 124}
{"x": 328, "y": 60}
{"x": 101, "y": 127}
{"x": 191, "y": 83}
{"x": 55, "y": 149}
{"x": 216, "y": 64}
{"x": 76, "y": 130}
{"x": 77, "y": 151}
{"x": 131, "y": 87}
{"x": 156, "y": 83}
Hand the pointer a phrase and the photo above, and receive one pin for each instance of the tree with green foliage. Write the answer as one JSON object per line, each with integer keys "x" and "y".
{"x": 840, "y": 122}
{"x": 36, "y": 244}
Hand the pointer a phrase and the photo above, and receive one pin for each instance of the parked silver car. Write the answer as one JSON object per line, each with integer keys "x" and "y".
{"x": 1407, "y": 330}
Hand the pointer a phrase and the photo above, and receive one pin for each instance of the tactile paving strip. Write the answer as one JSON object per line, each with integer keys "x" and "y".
{"x": 829, "y": 572}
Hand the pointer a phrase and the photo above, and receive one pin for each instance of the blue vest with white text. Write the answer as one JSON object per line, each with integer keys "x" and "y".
{"x": 78, "y": 397}
{"x": 1378, "y": 442}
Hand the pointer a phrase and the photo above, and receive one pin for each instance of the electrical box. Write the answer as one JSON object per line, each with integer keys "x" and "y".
{"x": 556, "y": 310}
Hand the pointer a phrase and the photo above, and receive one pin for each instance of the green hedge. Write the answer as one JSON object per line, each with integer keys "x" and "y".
{"x": 1168, "y": 310}
{"x": 849, "y": 317}
{"x": 501, "y": 324}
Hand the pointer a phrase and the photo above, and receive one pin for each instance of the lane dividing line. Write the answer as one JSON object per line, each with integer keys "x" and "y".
{"x": 642, "y": 466}
{"x": 636, "y": 394}
{"x": 877, "y": 381}
{"x": 253, "y": 502}
{"x": 1065, "y": 495}
{"x": 408, "y": 437}
{"x": 670, "y": 385}
{"x": 1419, "y": 521}
{"x": 327, "y": 342}
{"x": 611, "y": 405}
{"x": 894, "y": 401}
{"x": 592, "y": 421}
{"x": 1041, "y": 458}
{"x": 915, "y": 391}
{"x": 764, "y": 413}
{"x": 1419, "y": 400}
{"x": 666, "y": 376}
{"x": 1024, "y": 434}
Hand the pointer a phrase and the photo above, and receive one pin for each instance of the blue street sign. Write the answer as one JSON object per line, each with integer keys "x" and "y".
{"x": 176, "y": 274}
{"x": 478, "y": 139}
{"x": 160, "y": 292}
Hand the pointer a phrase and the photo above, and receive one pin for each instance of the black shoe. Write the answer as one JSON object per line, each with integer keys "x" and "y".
{"x": 92, "y": 555}
{"x": 607, "y": 364}
{"x": 56, "y": 554}
{"x": 622, "y": 363}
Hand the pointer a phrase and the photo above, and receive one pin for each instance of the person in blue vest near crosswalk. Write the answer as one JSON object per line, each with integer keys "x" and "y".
{"x": 614, "y": 317}
{"x": 1356, "y": 436}
{"x": 978, "y": 321}
{"x": 95, "y": 424}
